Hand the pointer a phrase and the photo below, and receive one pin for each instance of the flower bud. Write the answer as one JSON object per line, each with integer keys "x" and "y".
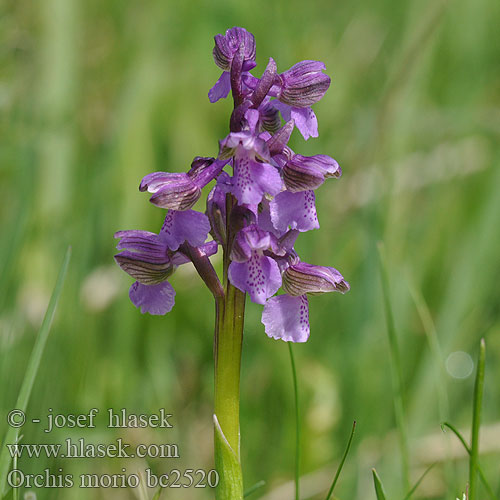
{"x": 302, "y": 278}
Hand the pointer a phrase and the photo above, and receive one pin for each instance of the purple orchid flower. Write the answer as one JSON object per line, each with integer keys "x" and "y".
{"x": 250, "y": 270}
{"x": 180, "y": 191}
{"x": 286, "y": 317}
{"x": 263, "y": 198}
{"x": 151, "y": 258}
{"x": 253, "y": 175}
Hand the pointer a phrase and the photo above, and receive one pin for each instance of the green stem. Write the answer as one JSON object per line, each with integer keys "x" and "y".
{"x": 230, "y": 311}
{"x": 227, "y": 364}
{"x": 228, "y": 343}
{"x": 297, "y": 423}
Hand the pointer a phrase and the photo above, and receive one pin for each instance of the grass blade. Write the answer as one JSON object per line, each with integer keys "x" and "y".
{"x": 379, "y": 488}
{"x": 339, "y": 468}
{"x": 297, "y": 423}
{"x": 396, "y": 373}
{"x": 253, "y": 488}
{"x": 476, "y": 420}
{"x": 479, "y": 469}
{"x": 417, "y": 484}
{"x": 435, "y": 348}
{"x": 32, "y": 369}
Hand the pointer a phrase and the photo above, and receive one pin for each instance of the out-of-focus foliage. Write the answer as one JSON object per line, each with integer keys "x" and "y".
{"x": 94, "y": 95}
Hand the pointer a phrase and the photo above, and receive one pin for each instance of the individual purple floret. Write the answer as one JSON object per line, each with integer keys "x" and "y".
{"x": 262, "y": 198}
{"x": 250, "y": 270}
{"x": 286, "y": 317}
{"x": 151, "y": 258}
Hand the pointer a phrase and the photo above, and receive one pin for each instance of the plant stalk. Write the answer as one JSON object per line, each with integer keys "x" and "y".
{"x": 230, "y": 311}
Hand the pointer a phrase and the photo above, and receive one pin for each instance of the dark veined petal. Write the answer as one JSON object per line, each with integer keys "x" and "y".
{"x": 303, "y": 84}
{"x": 303, "y": 173}
{"x": 226, "y": 46}
{"x": 142, "y": 269}
{"x": 302, "y": 278}
{"x": 144, "y": 256}
{"x": 175, "y": 191}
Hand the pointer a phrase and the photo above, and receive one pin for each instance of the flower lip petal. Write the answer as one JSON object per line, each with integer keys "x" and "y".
{"x": 154, "y": 299}
{"x": 287, "y": 318}
{"x": 294, "y": 210}
{"x": 259, "y": 276}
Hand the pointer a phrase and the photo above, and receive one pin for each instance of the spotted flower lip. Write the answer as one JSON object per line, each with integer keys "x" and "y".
{"x": 303, "y": 84}
{"x": 303, "y": 173}
{"x": 286, "y": 317}
{"x": 302, "y": 278}
{"x": 226, "y": 46}
{"x": 250, "y": 270}
{"x": 294, "y": 211}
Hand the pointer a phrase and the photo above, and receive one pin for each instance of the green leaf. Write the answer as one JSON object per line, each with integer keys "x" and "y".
{"x": 31, "y": 371}
{"x": 455, "y": 431}
{"x": 379, "y": 489}
{"x": 230, "y": 485}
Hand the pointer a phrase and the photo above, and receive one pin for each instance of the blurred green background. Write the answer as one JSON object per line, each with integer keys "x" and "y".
{"x": 94, "y": 95}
